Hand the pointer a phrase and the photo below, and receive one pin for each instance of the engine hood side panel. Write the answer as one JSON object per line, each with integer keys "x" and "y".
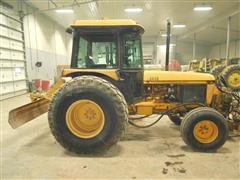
{"x": 156, "y": 77}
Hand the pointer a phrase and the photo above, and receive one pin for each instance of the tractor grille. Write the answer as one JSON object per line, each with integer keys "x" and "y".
{"x": 192, "y": 93}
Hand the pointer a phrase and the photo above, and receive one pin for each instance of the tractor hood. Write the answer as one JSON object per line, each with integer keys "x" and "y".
{"x": 155, "y": 77}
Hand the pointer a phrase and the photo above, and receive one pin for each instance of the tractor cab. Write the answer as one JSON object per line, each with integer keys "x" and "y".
{"x": 104, "y": 46}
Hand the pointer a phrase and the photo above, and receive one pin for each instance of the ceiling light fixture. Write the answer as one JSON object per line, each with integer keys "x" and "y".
{"x": 93, "y": 8}
{"x": 203, "y": 8}
{"x": 133, "y": 10}
{"x": 164, "y": 45}
{"x": 179, "y": 26}
{"x": 64, "y": 11}
{"x": 165, "y": 35}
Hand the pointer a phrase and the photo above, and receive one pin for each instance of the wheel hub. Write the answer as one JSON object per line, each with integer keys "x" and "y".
{"x": 205, "y": 131}
{"x": 234, "y": 79}
{"x": 85, "y": 119}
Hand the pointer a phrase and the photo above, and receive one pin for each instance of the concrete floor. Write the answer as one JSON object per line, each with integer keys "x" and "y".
{"x": 157, "y": 152}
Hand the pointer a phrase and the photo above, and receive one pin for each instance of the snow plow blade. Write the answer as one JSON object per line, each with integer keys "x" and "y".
{"x": 28, "y": 112}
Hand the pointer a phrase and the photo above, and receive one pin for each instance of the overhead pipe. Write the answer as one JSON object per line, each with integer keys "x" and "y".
{"x": 168, "y": 45}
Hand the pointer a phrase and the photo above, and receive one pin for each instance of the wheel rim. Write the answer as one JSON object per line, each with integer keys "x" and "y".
{"x": 234, "y": 79}
{"x": 85, "y": 119}
{"x": 205, "y": 131}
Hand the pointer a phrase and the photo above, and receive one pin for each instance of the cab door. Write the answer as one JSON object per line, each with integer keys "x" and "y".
{"x": 131, "y": 71}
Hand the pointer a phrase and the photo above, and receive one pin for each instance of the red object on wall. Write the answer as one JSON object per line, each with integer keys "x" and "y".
{"x": 45, "y": 85}
{"x": 174, "y": 65}
{"x": 37, "y": 83}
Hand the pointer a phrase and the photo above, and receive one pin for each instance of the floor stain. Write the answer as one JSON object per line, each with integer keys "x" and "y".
{"x": 164, "y": 170}
{"x": 173, "y": 163}
{"x": 175, "y": 156}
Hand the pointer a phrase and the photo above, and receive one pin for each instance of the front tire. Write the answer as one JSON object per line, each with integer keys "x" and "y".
{"x": 87, "y": 115}
{"x": 204, "y": 129}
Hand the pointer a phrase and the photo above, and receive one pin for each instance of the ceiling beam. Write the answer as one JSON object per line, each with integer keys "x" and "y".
{"x": 211, "y": 21}
{"x": 37, "y": 10}
{"x": 225, "y": 29}
{"x": 53, "y": 3}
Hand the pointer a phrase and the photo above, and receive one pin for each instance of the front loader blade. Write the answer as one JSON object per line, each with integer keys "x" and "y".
{"x": 28, "y": 112}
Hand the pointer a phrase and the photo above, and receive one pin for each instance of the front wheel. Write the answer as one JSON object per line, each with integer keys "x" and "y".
{"x": 204, "y": 129}
{"x": 88, "y": 115}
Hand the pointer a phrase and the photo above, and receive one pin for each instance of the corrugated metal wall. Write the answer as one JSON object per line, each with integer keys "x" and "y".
{"x": 13, "y": 80}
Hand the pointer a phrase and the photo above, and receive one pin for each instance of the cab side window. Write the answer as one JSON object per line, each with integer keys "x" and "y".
{"x": 132, "y": 55}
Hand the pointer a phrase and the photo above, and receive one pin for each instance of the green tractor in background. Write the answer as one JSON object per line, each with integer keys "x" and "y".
{"x": 228, "y": 74}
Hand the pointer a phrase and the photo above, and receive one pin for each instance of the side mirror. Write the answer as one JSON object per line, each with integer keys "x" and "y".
{"x": 69, "y": 30}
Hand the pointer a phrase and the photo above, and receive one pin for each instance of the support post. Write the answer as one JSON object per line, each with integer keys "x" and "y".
{"x": 228, "y": 40}
{"x": 194, "y": 46}
{"x": 168, "y": 44}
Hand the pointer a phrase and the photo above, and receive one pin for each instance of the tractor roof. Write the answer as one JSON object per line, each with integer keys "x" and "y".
{"x": 108, "y": 23}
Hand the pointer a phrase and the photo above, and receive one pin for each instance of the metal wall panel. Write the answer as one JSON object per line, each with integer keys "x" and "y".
{"x": 6, "y": 75}
{"x": 5, "y": 54}
{"x": 17, "y": 56}
{"x": 7, "y": 88}
{"x": 4, "y": 43}
{"x": 12, "y": 55}
{"x": 18, "y": 73}
{"x": 6, "y": 63}
{"x": 15, "y": 45}
{"x": 4, "y": 31}
{"x": 20, "y": 85}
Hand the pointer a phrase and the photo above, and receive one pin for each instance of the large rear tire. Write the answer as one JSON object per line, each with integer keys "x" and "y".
{"x": 217, "y": 70}
{"x": 88, "y": 115}
{"x": 204, "y": 129}
{"x": 231, "y": 75}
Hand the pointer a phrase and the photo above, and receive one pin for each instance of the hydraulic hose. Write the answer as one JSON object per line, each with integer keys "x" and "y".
{"x": 162, "y": 114}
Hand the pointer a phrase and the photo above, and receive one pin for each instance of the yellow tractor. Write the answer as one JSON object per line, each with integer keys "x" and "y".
{"x": 106, "y": 86}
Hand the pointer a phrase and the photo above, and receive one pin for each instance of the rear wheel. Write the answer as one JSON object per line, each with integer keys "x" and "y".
{"x": 204, "y": 129}
{"x": 217, "y": 70}
{"x": 175, "y": 119}
{"x": 88, "y": 115}
{"x": 231, "y": 75}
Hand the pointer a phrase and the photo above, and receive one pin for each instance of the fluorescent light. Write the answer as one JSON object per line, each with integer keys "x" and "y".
{"x": 64, "y": 11}
{"x": 165, "y": 35}
{"x": 93, "y": 8}
{"x": 179, "y": 26}
{"x": 133, "y": 10}
{"x": 203, "y": 8}
{"x": 164, "y": 46}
